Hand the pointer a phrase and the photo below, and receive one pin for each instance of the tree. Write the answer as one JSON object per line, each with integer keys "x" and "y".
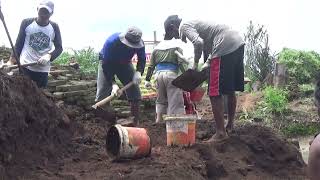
{"x": 259, "y": 61}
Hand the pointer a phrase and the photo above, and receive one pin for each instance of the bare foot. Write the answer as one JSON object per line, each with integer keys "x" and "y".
{"x": 217, "y": 138}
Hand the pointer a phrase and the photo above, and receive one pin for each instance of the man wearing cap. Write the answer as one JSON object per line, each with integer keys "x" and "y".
{"x": 167, "y": 60}
{"x": 35, "y": 42}
{"x": 116, "y": 55}
{"x": 223, "y": 50}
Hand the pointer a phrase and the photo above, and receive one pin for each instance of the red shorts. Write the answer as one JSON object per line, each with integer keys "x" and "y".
{"x": 227, "y": 73}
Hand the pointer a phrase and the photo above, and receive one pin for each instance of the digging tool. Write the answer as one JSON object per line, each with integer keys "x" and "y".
{"x": 13, "y": 49}
{"x": 108, "y": 114}
{"x": 16, "y": 66}
{"x": 191, "y": 79}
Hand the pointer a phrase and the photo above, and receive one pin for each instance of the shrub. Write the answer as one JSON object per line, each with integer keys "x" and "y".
{"x": 298, "y": 129}
{"x": 248, "y": 87}
{"x": 63, "y": 59}
{"x": 275, "y": 100}
{"x": 303, "y": 66}
{"x": 87, "y": 58}
{"x": 306, "y": 89}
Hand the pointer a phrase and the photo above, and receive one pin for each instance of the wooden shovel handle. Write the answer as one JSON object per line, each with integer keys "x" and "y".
{"x": 22, "y": 65}
{"x": 109, "y": 98}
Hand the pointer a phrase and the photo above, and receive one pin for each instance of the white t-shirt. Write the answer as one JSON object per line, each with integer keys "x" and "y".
{"x": 34, "y": 41}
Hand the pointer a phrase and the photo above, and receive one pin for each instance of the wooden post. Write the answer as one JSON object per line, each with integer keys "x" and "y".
{"x": 280, "y": 77}
{"x": 155, "y": 37}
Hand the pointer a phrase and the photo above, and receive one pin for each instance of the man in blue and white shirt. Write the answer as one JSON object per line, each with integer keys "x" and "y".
{"x": 116, "y": 55}
{"x": 39, "y": 40}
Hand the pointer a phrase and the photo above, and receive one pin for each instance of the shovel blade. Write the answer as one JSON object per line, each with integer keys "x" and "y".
{"x": 191, "y": 79}
{"x": 108, "y": 114}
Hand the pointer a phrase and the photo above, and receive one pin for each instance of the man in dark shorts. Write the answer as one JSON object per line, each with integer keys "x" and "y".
{"x": 223, "y": 51}
{"x": 116, "y": 55}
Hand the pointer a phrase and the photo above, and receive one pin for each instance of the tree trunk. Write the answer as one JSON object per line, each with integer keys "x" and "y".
{"x": 280, "y": 77}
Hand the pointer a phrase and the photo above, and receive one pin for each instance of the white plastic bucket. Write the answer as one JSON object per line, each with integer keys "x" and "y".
{"x": 181, "y": 130}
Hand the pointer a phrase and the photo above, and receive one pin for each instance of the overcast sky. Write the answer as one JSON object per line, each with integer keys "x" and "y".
{"x": 290, "y": 23}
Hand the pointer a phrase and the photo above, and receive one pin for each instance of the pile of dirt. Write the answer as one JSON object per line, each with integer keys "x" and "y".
{"x": 34, "y": 133}
{"x": 33, "y": 145}
{"x": 252, "y": 152}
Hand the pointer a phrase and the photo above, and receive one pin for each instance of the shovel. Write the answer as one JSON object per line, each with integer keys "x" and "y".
{"x": 191, "y": 79}
{"x": 16, "y": 66}
{"x": 108, "y": 114}
{"x": 9, "y": 37}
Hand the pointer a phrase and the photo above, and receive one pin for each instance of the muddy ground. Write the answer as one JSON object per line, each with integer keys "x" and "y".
{"x": 46, "y": 148}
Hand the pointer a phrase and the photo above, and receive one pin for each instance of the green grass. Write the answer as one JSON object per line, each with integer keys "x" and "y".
{"x": 275, "y": 100}
{"x": 299, "y": 129}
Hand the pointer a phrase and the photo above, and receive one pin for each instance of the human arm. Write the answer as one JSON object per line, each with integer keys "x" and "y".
{"x": 151, "y": 66}
{"x": 21, "y": 38}
{"x": 141, "y": 53}
{"x": 191, "y": 33}
{"x": 101, "y": 57}
{"x": 140, "y": 66}
{"x": 181, "y": 59}
{"x": 57, "y": 41}
{"x": 314, "y": 159}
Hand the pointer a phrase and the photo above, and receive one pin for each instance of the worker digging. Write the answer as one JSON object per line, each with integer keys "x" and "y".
{"x": 121, "y": 132}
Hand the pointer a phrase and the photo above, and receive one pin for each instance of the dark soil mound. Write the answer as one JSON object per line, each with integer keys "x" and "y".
{"x": 33, "y": 131}
{"x": 33, "y": 139}
{"x": 253, "y": 152}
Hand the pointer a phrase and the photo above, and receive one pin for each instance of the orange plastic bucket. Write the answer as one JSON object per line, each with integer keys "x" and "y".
{"x": 127, "y": 142}
{"x": 181, "y": 130}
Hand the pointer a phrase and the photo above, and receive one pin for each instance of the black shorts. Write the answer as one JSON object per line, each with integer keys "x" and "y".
{"x": 227, "y": 73}
{"x": 40, "y": 78}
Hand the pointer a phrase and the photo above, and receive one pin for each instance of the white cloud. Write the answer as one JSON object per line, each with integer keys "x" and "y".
{"x": 290, "y": 23}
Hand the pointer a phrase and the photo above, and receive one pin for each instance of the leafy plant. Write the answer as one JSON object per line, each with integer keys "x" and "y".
{"x": 87, "y": 59}
{"x": 275, "y": 100}
{"x": 248, "y": 87}
{"x": 303, "y": 66}
{"x": 259, "y": 60}
{"x": 63, "y": 59}
{"x": 306, "y": 89}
